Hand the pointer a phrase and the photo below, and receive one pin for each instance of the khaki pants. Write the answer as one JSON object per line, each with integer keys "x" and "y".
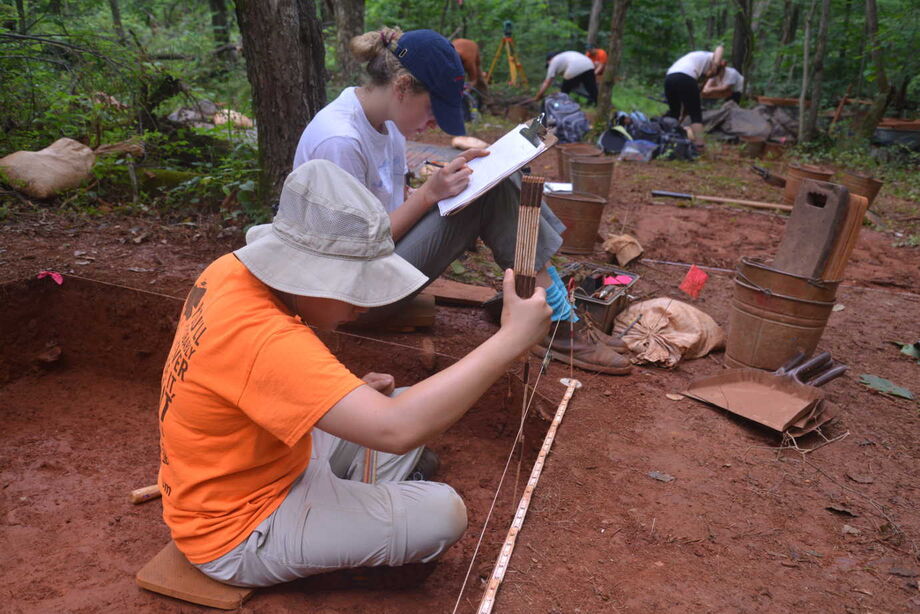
{"x": 333, "y": 519}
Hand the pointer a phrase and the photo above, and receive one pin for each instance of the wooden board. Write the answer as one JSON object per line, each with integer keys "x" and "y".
{"x": 169, "y": 573}
{"x": 813, "y": 229}
{"x": 848, "y": 237}
{"x": 447, "y": 292}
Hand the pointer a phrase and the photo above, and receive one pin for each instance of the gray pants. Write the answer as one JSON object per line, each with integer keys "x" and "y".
{"x": 435, "y": 241}
{"x": 348, "y": 509}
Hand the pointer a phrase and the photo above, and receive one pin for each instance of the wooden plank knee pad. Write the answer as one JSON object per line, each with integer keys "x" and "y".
{"x": 169, "y": 573}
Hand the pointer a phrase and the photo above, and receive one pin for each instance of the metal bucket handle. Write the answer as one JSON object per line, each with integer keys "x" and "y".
{"x": 818, "y": 283}
{"x": 768, "y": 292}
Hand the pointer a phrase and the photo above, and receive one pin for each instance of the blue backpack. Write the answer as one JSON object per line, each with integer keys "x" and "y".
{"x": 566, "y": 115}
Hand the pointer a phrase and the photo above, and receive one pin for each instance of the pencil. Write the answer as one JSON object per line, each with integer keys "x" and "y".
{"x": 433, "y": 163}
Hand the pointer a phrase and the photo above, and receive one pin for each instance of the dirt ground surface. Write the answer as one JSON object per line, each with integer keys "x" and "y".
{"x": 746, "y": 524}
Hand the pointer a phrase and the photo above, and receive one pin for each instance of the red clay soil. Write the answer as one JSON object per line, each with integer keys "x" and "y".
{"x": 745, "y": 526}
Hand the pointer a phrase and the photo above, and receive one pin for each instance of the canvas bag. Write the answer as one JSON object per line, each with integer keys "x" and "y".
{"x": 63, "y": 165}
{"x": 668, "y": 331}
{"x": 566, "y": 115}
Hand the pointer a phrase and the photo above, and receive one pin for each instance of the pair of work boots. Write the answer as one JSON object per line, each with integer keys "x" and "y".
{"x": 586, "y": 348}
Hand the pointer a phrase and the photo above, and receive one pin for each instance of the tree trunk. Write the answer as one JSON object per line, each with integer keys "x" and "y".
{"x": 805, "y": 68}
{"x": 23, "y": 26}
{"x": 883, "y": 97}
{"x": 810, "y": 116}
{"x": 349, "y": 22}
{"x": 790, "y": 23}
{"x": 56, "y": 7}
{"x": 116, "y": 20}
{"x": 743, "y": 41}
{"x": 594, "y": 22}
{"x": 845, "y": 39}
{"x": 614, "y": 50}
{"x": 283, "y": 47}
{"x": 444, "y": 10}
{"x": 690, "y": 36}
{"x": 760, "y": 7}
{"x": 220, "y": 29}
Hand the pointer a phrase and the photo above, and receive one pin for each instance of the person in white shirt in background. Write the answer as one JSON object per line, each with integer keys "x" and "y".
{"x": 576, "y": 69}
{"x": 730, "y": 85}
{"x": 682, "y": 87}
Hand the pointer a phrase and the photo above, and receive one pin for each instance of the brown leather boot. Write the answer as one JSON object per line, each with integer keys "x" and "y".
{"x": 589, "y": 350}
{"x": 585, "y": 322}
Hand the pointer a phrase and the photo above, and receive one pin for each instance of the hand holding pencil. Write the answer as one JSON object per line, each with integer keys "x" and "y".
{"x": 452, "y": 178}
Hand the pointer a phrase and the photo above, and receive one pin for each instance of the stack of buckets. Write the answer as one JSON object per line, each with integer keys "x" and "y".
{"x": 581, "y": 210}
{"x": 775, "y": 314}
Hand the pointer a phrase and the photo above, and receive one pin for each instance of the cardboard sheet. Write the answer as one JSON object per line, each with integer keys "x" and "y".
{"x": 773, "y": 401}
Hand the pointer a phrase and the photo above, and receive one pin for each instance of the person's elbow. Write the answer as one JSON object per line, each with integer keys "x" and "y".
{"x": 396, "y": 440}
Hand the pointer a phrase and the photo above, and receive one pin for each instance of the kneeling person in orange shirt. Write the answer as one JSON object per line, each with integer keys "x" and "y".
{"x": 276, "y": 462}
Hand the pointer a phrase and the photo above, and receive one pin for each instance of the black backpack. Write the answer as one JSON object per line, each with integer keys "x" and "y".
{"x": 675, "y": 147}
{"x": 614, "y": 139}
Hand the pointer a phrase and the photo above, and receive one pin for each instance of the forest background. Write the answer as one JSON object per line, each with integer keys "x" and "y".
{"x": 109, "y": 72}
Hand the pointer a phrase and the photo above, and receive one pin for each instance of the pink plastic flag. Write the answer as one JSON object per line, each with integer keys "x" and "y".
{"x": 57, "y": 277}
{"x": 694, "y": 281}
{"x": 619, "y": 280}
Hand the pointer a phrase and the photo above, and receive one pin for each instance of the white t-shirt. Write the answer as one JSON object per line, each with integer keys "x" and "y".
{"x": 570, "y": 64}
{"x": 694, "y": 64}
{"x": 733, "y": 78}
{"x": 341, "y": 133}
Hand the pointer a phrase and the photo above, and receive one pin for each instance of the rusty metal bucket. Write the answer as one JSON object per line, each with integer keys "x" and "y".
{"x": 768, "y": 326}
{"x": 861, "y": 185}
{"x": 592, "y": 175}
{"x": 565, "y": 151}
{"x": 753, "y": 146}
{"x": 758, "y": 273}
{"x": 581, "y": 213}
{"x": 796, "y": 173}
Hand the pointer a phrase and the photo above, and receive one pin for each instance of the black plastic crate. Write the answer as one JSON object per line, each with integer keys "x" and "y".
{"x": 601, "y": 310}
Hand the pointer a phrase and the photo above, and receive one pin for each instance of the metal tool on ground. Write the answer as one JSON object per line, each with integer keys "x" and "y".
{"x": 774, "y": 180}
{"x": 728, "y": 201}
{"x": 778, "y": 400}
{"x": 813, "y": 229}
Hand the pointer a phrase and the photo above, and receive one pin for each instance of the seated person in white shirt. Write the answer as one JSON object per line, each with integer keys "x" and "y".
{"x": 729, "y": 85}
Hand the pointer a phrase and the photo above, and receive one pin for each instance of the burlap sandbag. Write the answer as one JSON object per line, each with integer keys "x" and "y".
{"x": 55, "y": 169}
{"x": 668, "y": 331}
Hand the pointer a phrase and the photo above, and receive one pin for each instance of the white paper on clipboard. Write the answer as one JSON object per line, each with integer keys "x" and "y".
{"x": 508, "y": 154}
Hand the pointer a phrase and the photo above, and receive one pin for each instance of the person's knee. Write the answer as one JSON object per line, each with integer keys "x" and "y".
{"x": 436, "y": 519}
{"x": 448, "y": 511}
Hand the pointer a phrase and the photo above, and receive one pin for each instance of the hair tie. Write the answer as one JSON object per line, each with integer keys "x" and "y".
{"x": 383, "y": 39}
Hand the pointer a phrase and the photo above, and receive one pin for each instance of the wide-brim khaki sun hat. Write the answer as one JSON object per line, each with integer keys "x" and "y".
{"x": 330, "y": 239}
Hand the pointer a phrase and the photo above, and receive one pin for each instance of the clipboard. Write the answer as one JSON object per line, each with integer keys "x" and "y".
{"x": 508, "y": 154}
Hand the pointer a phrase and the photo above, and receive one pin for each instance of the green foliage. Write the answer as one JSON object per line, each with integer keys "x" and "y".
{"x": 633, "y": 96}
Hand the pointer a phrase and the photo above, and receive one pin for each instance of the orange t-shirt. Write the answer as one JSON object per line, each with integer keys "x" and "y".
{"x": 597, "y": 55}
{"x": 244, "y": 384}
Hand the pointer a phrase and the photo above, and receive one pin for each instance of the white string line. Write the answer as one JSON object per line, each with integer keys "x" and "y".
{"x": 504, "y": 473}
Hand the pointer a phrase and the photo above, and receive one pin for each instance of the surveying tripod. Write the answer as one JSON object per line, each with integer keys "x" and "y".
{"x": 514, "y": 65}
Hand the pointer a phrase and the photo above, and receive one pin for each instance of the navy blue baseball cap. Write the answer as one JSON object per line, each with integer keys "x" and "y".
{"x": 433, "y": 60}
